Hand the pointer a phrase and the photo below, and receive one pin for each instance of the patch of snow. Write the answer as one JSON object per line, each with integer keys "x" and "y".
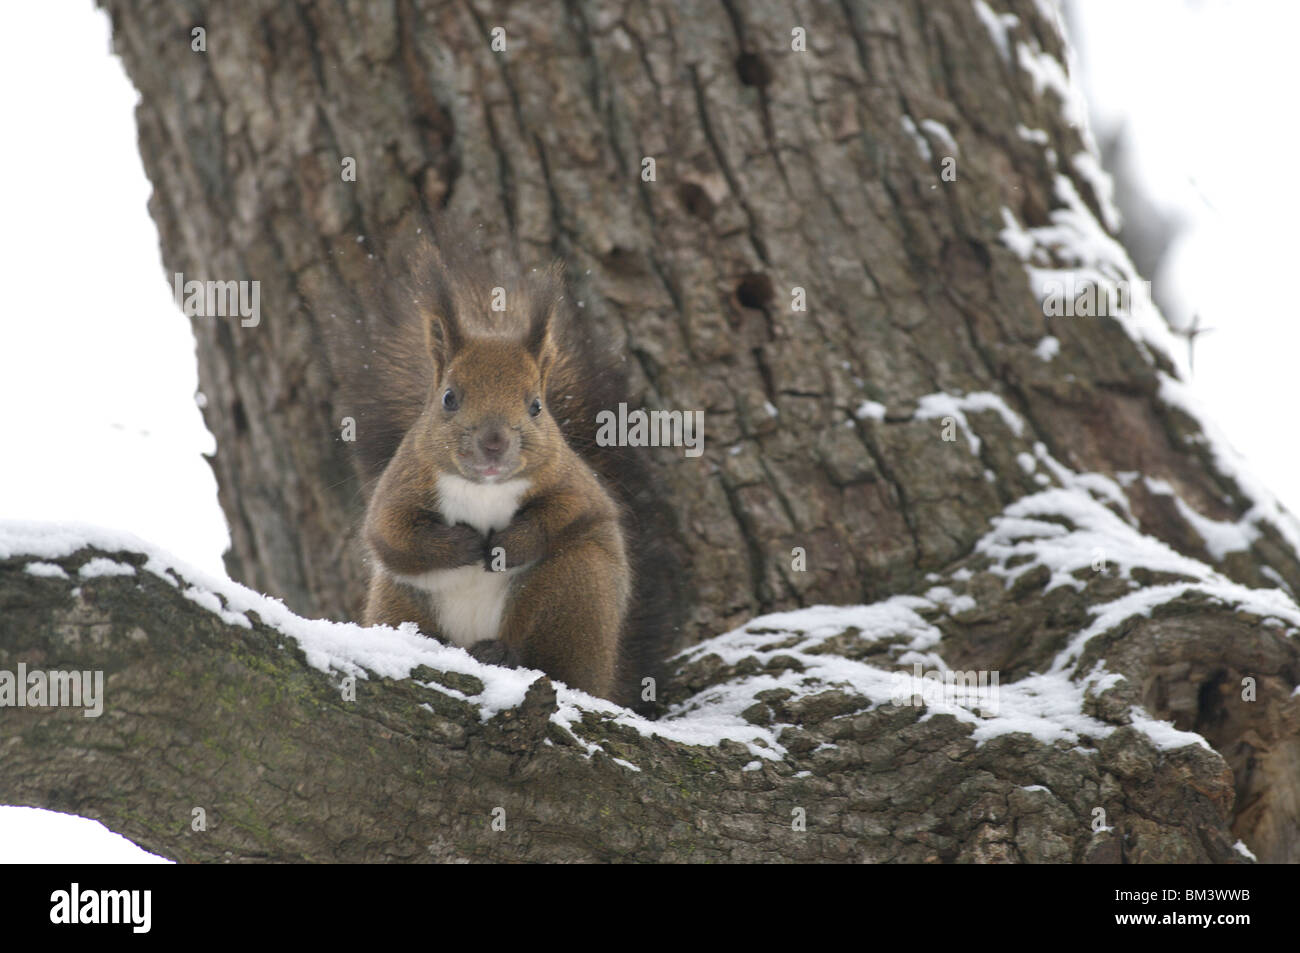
{"x": 1098, "y": 485}
{"x": 1048, "y": 707}
{"x": 870, "y": 410}
{"x": 1048, "y": 348}
{"x": 1100, "y": 681}
{"x": 1047, "y": 72}
{"x": 1019, "y": 239}
{"x": 922, "y": 146}
{"x": 1274, "y": 575}
{"x": 1030, "y": 530}
{"x": 1087, "y": 254}
{"x": 1163, "y": 734}
{"x": 1090, "y": 170}
{"x": 212, "y": 602}
{"x": 998, "y": 25}
{"x": 1084, "y": 248}
{"x": 1142, "y": 602}
{"x": 99, "y": 566}
{"x": 955, "y": 604}
{"x": 45, "y": 569}
{"x": 940, "y": 405}
{"x": 1220, "y": 537}
{"x": 940, "y": 132}
{"x": 1036, "y": 136}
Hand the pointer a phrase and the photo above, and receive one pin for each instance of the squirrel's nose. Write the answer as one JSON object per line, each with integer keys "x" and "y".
{"x": 492, "y": 443}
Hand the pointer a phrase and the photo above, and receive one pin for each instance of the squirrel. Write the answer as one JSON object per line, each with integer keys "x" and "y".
{"x": 497, "y": 522}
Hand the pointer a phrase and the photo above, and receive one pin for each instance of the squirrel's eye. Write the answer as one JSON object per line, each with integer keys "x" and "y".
{"x": 535, "y": 407}
{"x": 449, "y": 401}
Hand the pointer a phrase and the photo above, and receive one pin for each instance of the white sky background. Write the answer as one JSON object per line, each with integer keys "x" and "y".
{"x": 97, "y": 366}
{"x": 1207, "y": 91}
{"x": 97, "y": 370}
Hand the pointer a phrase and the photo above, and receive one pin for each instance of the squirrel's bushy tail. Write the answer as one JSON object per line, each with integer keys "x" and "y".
{"x": 589, "y": 378}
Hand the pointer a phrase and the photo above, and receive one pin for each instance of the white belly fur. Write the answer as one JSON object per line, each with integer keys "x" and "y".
{"x": 469, "y": 601}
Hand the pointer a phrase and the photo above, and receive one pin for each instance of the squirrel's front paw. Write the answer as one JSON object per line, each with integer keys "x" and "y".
{"x": 511, "y": 548}
{"x": 466, "y": 545}
{"x": 494, "y": 652}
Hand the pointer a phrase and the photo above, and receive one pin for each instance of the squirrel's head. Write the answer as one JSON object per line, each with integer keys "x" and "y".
{"x": 487, "y": 413}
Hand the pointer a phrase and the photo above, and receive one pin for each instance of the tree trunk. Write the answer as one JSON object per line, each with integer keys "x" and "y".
{"x": 920, "y": 428}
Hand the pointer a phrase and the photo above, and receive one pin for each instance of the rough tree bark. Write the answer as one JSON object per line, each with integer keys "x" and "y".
{"x": 776, "y": 169}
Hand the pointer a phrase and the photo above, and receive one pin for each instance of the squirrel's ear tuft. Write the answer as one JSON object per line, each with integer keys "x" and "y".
{"x": 539, "y": 339}
{"x": 443, "y": 337}
{"x": 442, "y": 328}
{"x": 539, "y": 328}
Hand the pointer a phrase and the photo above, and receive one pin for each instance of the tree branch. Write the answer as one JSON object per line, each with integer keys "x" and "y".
{"x": 250, "y": 724}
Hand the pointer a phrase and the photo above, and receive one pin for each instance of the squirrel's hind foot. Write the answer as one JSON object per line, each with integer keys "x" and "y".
{"x": 494, "y": 652}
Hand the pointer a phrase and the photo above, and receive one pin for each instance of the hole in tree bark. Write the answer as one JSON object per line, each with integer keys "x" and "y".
{"x": 1209, "y": 705}
{"x": 755, "y": 290}
{"x": 695, "y": 200}
{"x": 981, "y": 255}
{"x": 753, "y": 70}
{"x": 623, "y": 261}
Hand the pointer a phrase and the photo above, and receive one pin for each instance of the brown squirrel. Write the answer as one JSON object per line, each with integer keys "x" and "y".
{"x": 497, "y": 522}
